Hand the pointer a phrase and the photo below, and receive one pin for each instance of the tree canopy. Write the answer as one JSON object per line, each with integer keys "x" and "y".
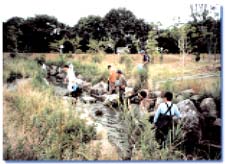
{"x": 118, "y": 28}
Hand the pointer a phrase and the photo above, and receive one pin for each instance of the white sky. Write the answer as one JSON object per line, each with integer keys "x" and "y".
{"x": 70, "y": 11}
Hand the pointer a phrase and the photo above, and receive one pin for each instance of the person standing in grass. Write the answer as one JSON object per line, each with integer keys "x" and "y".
{"x": 146, "y": 59}
{"x": 163, "y": 119}
{"x": 121, "y": 85}
{"x": 111, "y": 80}
{"x": 143, "y": 70}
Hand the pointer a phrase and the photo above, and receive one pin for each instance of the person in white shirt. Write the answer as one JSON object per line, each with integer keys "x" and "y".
{"x": 163, "y": 117}
{"x": 73, "y": 82}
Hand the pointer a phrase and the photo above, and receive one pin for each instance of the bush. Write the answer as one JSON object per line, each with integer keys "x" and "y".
{"x": 141, "y": 79}
{"x": 78, "y": 51}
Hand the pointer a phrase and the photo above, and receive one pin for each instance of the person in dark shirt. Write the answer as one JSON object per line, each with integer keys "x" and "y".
{"x": 121, "y": 84}
{"x": 146, "y": 58}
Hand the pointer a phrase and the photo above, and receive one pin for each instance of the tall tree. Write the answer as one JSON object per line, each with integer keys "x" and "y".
{"x": 11, "y": 34}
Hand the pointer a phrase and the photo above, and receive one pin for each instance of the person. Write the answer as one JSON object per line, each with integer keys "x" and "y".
{"x": 111, "y": 80}
{"x": 163, "y": 120}
{"x": 121, "y": 85}
{"x": 146, "y": 59}
{"x": 71, "y": 80}
{"x": 144, "y": 102}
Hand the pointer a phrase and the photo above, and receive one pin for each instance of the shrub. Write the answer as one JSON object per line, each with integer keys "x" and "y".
{"x": 141, "y": 79}
{"x": 78, "y": 51}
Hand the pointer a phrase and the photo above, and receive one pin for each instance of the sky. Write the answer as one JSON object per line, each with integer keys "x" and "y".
{"x": 70, "y": 11}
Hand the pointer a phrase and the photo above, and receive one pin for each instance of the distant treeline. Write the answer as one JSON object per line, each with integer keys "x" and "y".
{"x": 118, "y": 28}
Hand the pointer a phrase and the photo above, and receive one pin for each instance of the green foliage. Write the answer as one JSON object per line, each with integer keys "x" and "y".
{"x": 94, "y": 46}
{"x": 141, "y": 79}
{"x": 169, "y": 86}
{"x": 19, "y": 65}
{"x": 152, "y": 43}
{"x": 213, "y": 88}
{"x": 78, "y": 51}
{"x": 60, "y": 60}
{"x": 90, "y": 72}
{"x": 38, "y": 80}
{"x": 141, "y": 135}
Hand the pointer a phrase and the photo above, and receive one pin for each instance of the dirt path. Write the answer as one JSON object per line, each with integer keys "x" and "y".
{"x": 190, "y": 77}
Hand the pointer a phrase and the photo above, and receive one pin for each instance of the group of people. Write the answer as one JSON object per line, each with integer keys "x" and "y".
{"x": 117, "y": 83}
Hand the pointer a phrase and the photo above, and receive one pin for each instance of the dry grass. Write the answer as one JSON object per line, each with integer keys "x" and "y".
{"x": 28, "y": 103}
{"x": 35, "y": 122}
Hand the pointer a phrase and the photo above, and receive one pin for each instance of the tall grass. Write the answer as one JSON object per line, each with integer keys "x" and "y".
{"x": 28, "y": 68}
{"x": 206, "y": 86}
{"x": 39, "y": 126}
{"x": 141, "y": 135}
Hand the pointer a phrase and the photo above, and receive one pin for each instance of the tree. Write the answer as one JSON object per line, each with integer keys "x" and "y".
{"x": 11, "y": 34}
{"x": 121, "y": 24}
{"x": 152, "y": 44}
{"x": 92, "y": 26}
{"x": 38, "y": 34}
{"x": 205, "y": 36}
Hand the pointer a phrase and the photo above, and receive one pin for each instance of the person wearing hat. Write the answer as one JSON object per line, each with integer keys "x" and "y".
{"x": 146, "y": 58}
{"x": 121, "y": 85}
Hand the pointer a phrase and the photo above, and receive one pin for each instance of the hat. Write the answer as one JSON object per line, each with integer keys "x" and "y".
{"x": 142, "y": 52}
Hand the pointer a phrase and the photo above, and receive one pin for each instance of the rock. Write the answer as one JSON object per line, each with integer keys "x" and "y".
{"x": 191, "y": 128}
{"x": 88, "y": 99}
{"x": 60, "y": 76}
{"x": 86, "y": 86}
{"x": 208, "y": 108}
{"x": 188, "y": 109}
{"x": 187, "y": 93}
{"x": 159, "y": 100}
{"x": 156, "y": 93}
{"x": 59, "y": 91}
{"x": 196, "y": 97}
{"x": 128, "y": 91}
{"x": 45, "y": 81}
{"x": 99, "y": 89}
{"x": 80, "y": 77}
{"x": 53, "y": 70}
{"x": 99, "y": 113}
{"x": 217, "y": 122}
{"x": 179, "y": 98}
{"x": 111, "y": 100}
{"x": 13, "y": 76}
